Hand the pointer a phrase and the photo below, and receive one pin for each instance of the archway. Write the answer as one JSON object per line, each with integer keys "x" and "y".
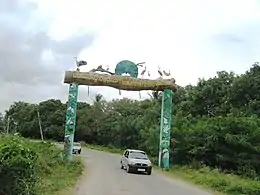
{"x": 120, "y": 82}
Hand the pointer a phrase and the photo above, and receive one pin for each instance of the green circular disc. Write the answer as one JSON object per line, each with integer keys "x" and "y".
{"x": 127, "y": 67}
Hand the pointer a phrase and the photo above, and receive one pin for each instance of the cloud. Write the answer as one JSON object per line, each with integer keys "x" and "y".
{"x": 237, "y": 47}
{"x": 193, "y": 39}
{"x": 26, "y": 74}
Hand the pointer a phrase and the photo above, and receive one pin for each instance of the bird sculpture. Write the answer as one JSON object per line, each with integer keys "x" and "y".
{"x": 77, "y": 63}
{"x": 80, "y": 63}
{"x": 140, "y": 64}
{"x": 160, "y": 72}
{"x": 142, "y": 73}
{"x": 99, "y": 67}
{"x": 167, "y": 73}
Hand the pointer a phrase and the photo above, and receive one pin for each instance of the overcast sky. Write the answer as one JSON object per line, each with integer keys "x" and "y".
{"x": 192, "y": 38}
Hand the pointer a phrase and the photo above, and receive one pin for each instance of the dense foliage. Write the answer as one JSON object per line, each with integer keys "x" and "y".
{"x": 18, "y": 166}
{"x": 215, "y": 123}
{"x": 25, "y": 165}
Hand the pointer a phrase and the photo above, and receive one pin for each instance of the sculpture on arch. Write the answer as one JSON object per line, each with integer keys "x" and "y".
{"x": 125, "y": 77}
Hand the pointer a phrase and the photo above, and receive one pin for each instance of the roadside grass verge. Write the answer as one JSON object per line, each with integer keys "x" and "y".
{"x": 205, "y": 177}
{"x": 34, "y": 168}
{"x": 212, "y": 179}
{"x": 60, "y": 179}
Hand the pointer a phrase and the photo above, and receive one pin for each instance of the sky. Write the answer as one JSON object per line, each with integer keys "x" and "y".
{"x": 191, "y": 38}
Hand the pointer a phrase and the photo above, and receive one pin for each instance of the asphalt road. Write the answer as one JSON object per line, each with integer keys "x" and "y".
{"x": 104, "y": 177}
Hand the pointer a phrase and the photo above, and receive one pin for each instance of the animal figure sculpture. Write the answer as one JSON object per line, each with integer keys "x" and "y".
{"x": 127, "y": 67}
{"x": 142, "y": 73}
{"x": 80, "y": 63}
{"x": 160, "y": 72}
{"x": 167, "y": 73}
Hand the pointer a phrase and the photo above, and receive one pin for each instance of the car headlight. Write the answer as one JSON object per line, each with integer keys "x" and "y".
{"x": 149, "y": 164}
{"x": 131, "y": 163}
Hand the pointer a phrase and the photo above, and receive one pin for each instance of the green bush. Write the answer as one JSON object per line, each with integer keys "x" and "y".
{"x": 230, "y": 144}
{"x": 18, "y": 166}
{"x": 23, "y": 163}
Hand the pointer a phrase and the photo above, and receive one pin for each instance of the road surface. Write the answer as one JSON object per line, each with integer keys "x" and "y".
{"x": 104, "y": 177}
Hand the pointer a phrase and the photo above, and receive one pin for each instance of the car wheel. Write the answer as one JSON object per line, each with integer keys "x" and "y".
{"x": 79, "y": 151}
{"x": 122, "y": 167}
{"x": 128, "y": 169}
{"x": 149, "y": 172}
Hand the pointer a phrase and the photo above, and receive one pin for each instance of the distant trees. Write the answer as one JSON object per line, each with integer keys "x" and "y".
{"x": 215, "y": 123}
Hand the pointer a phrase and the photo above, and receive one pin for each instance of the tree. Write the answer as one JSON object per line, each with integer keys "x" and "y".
{"x": 215, "y": 123}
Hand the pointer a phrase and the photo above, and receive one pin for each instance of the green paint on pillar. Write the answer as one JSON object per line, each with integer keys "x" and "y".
{"x": 165, "y": 130}
{"x": 70, "y": 120}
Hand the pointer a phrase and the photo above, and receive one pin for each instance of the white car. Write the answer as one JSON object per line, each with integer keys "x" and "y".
{"x": 76, "y": 148}
{"x": 136, "y": 161}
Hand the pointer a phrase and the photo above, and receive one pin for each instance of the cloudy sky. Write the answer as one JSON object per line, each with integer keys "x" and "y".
{"x": 192, "y": 38}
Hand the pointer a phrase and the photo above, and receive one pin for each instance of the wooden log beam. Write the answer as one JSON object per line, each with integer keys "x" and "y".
{"x": 119, "y": 82}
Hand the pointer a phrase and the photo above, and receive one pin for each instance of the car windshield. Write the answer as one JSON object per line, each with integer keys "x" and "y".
{"x": 76, "y": 144}
{"x": 138, "y": 155}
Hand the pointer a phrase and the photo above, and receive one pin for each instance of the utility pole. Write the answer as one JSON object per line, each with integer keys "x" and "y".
{"x": 15, "y": 127}
{"x": 40, "y": 124}
{"x": 8, "y": 124}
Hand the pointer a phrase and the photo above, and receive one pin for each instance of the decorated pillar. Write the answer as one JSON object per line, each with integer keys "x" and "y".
{"x": 70, "y": 120}
{"x": 165, "y": 130}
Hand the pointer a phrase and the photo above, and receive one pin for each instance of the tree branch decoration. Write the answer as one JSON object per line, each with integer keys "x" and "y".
{"x": 118, "y": 80}
{"x": 101, "y": 69}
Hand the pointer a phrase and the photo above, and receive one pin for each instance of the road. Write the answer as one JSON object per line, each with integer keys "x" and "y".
{"x": 104, "y": 177}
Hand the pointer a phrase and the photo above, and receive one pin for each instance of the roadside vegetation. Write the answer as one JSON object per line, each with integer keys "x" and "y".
{"x": 34, "y": 168}
{"x": 205, "y": 177}
{"x": 215, "y": 132}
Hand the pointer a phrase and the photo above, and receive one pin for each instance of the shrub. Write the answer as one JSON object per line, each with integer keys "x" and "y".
{"x": 23, "y": 163}
{"x": 230, "y": 144}
{"x": 17, "y": 166}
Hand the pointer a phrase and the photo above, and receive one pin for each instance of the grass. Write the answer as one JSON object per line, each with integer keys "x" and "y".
{"x": 228, "y": 184}
{"x": 217, "y": 182}
{"x": 32, "y": 167}
{"x": 61, "y": 179}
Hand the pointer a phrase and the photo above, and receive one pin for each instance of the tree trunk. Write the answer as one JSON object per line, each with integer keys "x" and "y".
{"x": 118, "y": 81}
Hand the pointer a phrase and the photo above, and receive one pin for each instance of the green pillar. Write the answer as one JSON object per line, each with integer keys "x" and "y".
{"x": 70, "y": 120}
{"x": 165, "y": 130}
